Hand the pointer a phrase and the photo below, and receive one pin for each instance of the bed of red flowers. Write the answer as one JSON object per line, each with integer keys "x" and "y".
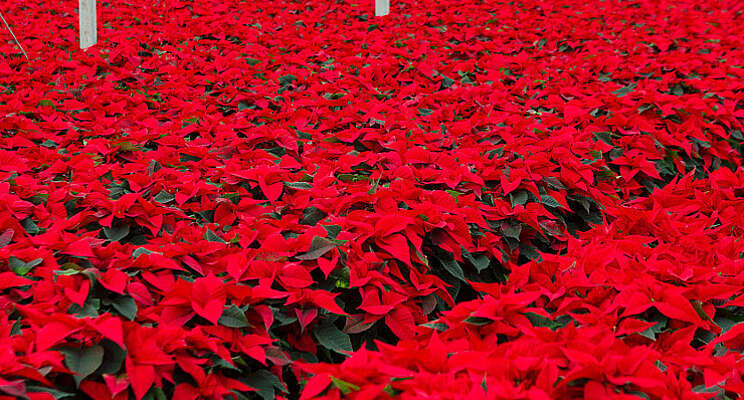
{"x": 295, "y": 199}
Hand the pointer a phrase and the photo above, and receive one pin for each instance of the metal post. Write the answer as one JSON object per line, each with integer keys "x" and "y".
{"x": 382, "y": 7}
{"x": 14, "y": 36}
{"x": 88, "y": 31}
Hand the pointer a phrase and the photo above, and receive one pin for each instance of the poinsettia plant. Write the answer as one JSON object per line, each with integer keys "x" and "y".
{"x": 299, "y": 199}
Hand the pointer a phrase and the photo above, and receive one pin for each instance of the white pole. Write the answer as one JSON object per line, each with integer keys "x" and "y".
{"x": 382, "y": 7}
{"x": 88, "y": 32}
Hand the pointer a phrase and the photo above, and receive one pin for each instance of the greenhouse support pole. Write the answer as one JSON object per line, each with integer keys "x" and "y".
{"x": 88, "y": 32}
{"x": 382, "y": 7}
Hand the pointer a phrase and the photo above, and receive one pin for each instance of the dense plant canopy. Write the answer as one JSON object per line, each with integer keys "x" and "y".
{"x": 294, "y": 199}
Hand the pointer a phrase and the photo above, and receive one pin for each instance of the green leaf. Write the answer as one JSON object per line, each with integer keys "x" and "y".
{"x": 529, "y": 251}
{"x": 58, "y": 394}
{"x": 624, "y": 90}
{"x": 703, "y": 336}
{"x": 480, "y": 262}
{"x": 113, "y": 357}
{"x": 206, "y": 215}
{"x": 116, "y": 232}
{"x": 126, "y": 306}
{"x": 312, "y": 215}
{"x": 478, "y": 321}
{"x": 604, "y": 136}
{"x": 333, "y": 230}
{"x": 453, "y": 267}
{"x": 343, "y": 386}
{"x": 155, "y": 393}
{"x": 252, "y": 61}
{"x": 30, "y": 226}
{"x": 352, "y": 177}
{"x": 318, "y": 247}
{"x": 140, "y": 251}
{"x": 440, "y": 326}
{"x": 89, "y": 309}
{"x": 645, "y": 107}
{"x": 511, "y": 231}
{"x": 49, "y": 144}
{"x": 15, "y": 329}
{"x": 332, "y": 338}
{"x": 83, "y": 361}
{"x": 538, "y": 320}
{"x": 425, "y": 111}
{"x": 447, "y": 82}
{"x": 454, "y": 193}
{"x": 246, "y": 106}
{"x": 164, "y": 197}
{"x": 724, "y": 323}
{"x": 220, "y": 363}
{"x": 188, "y": 157}
{"x": 21, "y": 267}
{"x": 640, "y": 395}
{"x": 213, "y": 237}
{"x": 334, "y": 96}
{"x": 703, "y": 389}
{"x": 265, "y": 383}
{"x": 127, "y": 146}
{"x": 287, "y": 79}
{"x": 497, "y": 152}
{"x": 677, "y": 90}
{"x": 519, "y": 197}
{"x": 652, "y": 331}
{"x": 298, "y": 185}
{"x": 233, "y": 317}
{"x": 550, "y": 201}
{"x": 153, "y": 167}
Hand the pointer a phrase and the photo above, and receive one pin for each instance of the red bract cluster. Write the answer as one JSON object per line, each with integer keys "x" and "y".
{"x": 290, "y": 199}
{"x": 642, "y": 306}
